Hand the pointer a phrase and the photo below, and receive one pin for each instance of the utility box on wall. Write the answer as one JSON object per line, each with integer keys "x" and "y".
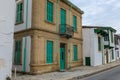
{"x": 7, "y": 19}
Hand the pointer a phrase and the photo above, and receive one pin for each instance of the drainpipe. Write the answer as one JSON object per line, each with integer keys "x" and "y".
{"x": 103, "y": 60}
{"x": 25, "y": 44}
{"x": 69, "y": 40}
{"x": 57, "y": 31}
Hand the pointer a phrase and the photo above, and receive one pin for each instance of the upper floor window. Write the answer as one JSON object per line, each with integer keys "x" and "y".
{"x": 62, "y": 16}
{"x": 49, "y": 11}
{"x": 99, "y": 43}
{"x": 106, "y": 38}
{"x": 111, "y": 36}
{"x": 19, "y": 13}
{"x": 75, "y": 23}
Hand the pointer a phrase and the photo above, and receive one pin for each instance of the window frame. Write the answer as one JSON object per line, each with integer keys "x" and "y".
{"x": 112, "y": 54}
{"x": 75, "y": 49}
{"x": 20, "y": 12}
{"x": 48, "y": 15}
{"x": 52, "y": 57}
{"x": 111, "y": 36}
{"x": 75, "y": 23}
{"x": 20, "y": 53}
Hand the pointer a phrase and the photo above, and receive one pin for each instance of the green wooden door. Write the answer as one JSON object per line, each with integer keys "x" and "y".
{"x": 87, "y": 61}
{"x": 63, "y": 20}
{"x": 62, "y": 58}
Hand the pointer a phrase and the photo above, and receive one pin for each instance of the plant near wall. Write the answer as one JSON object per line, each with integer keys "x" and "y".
{"x": 8, "y": 78}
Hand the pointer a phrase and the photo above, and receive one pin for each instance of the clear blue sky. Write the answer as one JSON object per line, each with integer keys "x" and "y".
{"x": 100, "y": 12}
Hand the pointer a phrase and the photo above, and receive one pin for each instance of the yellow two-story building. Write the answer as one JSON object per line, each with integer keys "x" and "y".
{"x": 48, "y": 36}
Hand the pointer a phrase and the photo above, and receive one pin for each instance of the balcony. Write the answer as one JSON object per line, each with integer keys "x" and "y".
{"x": 66, "y": 31}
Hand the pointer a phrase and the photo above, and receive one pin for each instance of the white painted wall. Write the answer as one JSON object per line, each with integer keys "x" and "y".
{"x": 22, "y": 26}
{"x": 7, "y": 9}
{"x": 90, "y": 47}
{"x": 28, "y": 55}
{"x": 111, "y": 44}
{"x": 86, "y": 44}
{"x": 97, "y": 55}
{"x": 117, "y": 52}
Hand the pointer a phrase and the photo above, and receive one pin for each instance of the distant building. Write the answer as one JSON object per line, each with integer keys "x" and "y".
{"x": 117, "y": 46}
{"x": 48, "y": 36}
{"x": 7, "y": 10}
{"x": 98, "y": 45}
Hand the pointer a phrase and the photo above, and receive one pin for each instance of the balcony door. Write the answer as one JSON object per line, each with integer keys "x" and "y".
{"x": 63, "y": 20}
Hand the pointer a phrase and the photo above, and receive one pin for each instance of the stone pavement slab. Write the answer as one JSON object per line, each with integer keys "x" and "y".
{"x": 78, "y": 72}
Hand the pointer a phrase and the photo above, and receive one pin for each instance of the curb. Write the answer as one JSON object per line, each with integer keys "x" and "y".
{"x": 89, "y": 74}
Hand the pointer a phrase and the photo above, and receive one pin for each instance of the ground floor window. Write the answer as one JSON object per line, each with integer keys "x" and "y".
{"x": 18, "y": 52}
{"x": 75, "y": 53}
{"x": 112, "y": 54}
{"x": 49, "y": 52}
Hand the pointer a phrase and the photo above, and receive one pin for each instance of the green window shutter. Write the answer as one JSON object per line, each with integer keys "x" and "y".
{"x": 99, "y": 43}
{"x": 49, "y": 55}
{"x": 75, "y": 53}
{"x": 19, "y": 12}
{"x": 111, "y": 37}
{"x": 17, "y": 58}
{"x": 49, "y": 11}
{"x": 63, "y": 20}
{"x": 63, "y": 16}
{"x": 112, "y": 54}
{"x": 75, "y": 23}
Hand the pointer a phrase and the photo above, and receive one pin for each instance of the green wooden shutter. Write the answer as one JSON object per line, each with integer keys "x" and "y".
{"x": 49, "y": 55}
{"x": 49, "y": 11}
{"x": 75, "y": 53}
{"x": 63, "y": 20}
{"x": 75, "y": 23}
{"x": 21, "y": 9}
{"x": 17, "y": 59}
{"x": 19, "y": 12}
{"x": 112, "y": 54}
{"x": 15, "y": 56}
{"x": 63, "y": 16}
{"x": 99, "y": 43}
{"x": 111, "y": 37}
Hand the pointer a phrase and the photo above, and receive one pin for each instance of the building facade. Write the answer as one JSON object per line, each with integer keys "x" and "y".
{"x": 48, "y": 36}
{"x": 7, "y": 8}
{"x": 98, "y": 45}
{"x": 117, "y": 46}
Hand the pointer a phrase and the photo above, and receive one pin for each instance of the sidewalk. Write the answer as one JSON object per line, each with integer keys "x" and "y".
{"x": 78, "y": 72}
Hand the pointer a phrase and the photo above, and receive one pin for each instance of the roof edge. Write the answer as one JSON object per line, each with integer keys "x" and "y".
{"x": 105, "y": 27}
{"x": 73, "y": 6}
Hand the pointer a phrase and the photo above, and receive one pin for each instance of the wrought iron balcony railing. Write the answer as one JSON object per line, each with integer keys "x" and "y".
{"x": 66, "y": 31}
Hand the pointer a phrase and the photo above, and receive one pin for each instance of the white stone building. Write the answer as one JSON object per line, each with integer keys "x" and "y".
{"x": 23, "y": 22}
{"x": 117, "y": 46}
{"x": 7, "y": 10}
{"x": 98, "y": 45}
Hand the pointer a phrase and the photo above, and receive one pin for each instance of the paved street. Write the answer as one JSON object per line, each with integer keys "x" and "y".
{"x": 112, "y": 74}
{"x": 71, "y": 74}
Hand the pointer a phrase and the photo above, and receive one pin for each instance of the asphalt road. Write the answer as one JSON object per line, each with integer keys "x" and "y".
{"x": 112, "y": 74}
